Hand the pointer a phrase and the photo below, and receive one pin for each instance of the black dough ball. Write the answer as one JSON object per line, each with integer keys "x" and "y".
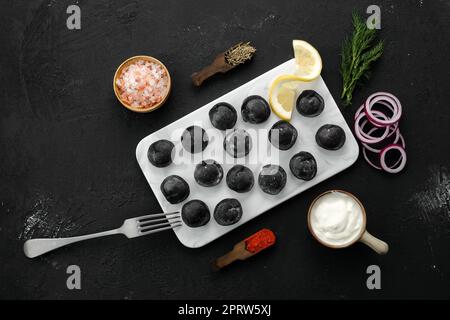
{"x": 195, "y": 213}
{"x": 175, "y": 189}
{"x": 240, "y": 179}
{"x": 208, "y": 173}
{"x": 255, "y": 109}
{"x": 330, "y": 137}
{"x": 283, "y": 135}
{"x": 272, "y": 179}
{"x": 310, "y": 103}
{"x": 303, "y": 165}
{"x": 194, "y": 139}
{"x": 160, "y": 153}
{"x": 237, "y": 143}
{"x": 228, "y": 212}
{"x": 223, "y": 116}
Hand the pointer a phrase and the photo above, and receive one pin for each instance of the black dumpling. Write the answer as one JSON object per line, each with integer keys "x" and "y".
{"x": 272, "y": 179}
{"x": 208, "y": 173}
{"x": 330, "y": 137}
{"x": 303, "y": 165}
{"x": 195, "y": 213}
{"x": 175, "y": 189}
{"x": 223, "y": 116}
{"x": 194, "y": 139}
{"x": 310, "y": 103}
{"x": 240, "y": 179}
{"x": 237, "y": 143}
{"x": 160, "y": 153}
{"x": 283, "y": 135}
{"x": 228, "y": 212}
{"x": 255, "y": 109}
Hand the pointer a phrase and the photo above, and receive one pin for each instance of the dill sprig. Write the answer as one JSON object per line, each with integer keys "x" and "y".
{"x": 358, "y": 53}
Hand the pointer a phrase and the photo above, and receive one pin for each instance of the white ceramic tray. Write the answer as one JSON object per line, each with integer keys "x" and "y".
{"x": 254, "y": 202}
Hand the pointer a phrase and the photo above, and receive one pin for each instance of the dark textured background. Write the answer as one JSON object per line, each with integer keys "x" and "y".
{"x": 67, "y": 163}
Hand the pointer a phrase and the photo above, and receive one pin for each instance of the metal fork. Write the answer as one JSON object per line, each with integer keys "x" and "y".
{"x": 131, "y": 228}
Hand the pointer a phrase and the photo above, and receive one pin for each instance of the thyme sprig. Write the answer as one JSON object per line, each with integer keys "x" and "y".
{"x": 358, "y": 53}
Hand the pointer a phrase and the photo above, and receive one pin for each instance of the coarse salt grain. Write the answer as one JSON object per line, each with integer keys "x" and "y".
{"x": 143, "y": 84}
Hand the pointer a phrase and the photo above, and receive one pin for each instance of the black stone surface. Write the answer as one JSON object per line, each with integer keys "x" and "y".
{"x": 68, "y": 166}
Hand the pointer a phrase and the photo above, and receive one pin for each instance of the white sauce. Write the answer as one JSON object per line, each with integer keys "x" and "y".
{"x": 336, "y": 218}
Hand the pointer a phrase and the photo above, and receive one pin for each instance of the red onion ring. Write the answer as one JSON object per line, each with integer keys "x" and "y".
{"x": 380, "y": 120}
{"x": 402, "y": 141}
{"x": 392, "y": 130}
{"x": 377, "y": 114}
{"x": 367, "y": 135}
{"x": 394, "y": 168}
{"x": 358, "y": 112}
{"x": 376, "y": 121}
{"x": 361, "y": 108}
{"x": 397, "y": 138}
{"x": 371, "y": 139}
{"x": 366, "y": 157}
{"x": 369, "y": 161}
{"x": 383, "y": 98}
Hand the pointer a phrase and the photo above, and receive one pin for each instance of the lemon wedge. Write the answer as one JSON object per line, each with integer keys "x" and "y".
{"x": 283, "y": 90}
{"x": 282, "y": 93}
{"x": 307, "y": 59}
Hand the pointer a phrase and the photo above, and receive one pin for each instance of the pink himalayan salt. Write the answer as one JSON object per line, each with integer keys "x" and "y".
{"x": 143, "y": 84}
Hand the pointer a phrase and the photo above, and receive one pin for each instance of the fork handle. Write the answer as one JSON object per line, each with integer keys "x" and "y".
{"x": 35, "y": 247}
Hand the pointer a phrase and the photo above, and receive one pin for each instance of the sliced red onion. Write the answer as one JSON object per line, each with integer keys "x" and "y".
{"x": 361, "y": 109}
{"x": 368, "y": 136}
{"x": 380, "y": 120}
{"x": 396, "y": 167}
{"x": 383, "y": 98}
{"x": 396, "y": 140}
{"x": 368, "y": 160}
{"x": 376, "y": 120}
{"x": 358, "y": 112}
{"x": 364, "y": 138}
{"x": 402, "y": 140}
{"x": 379, "y": 115}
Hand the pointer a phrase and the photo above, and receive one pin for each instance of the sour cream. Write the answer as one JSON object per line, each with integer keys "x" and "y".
{"x": 336, "y": 219}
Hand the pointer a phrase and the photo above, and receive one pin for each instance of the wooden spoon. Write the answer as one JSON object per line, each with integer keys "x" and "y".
{"x": 218, "y": 65}
{"x": 225, "y": 61}
{"x": 257, "y": 242}
{"x": 239, "y": 252}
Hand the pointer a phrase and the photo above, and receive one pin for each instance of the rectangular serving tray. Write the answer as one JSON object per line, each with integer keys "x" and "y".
{"x": 254, "y": 202}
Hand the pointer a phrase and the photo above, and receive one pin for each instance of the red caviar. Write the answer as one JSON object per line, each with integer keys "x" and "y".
{"x": 260, "y": 240}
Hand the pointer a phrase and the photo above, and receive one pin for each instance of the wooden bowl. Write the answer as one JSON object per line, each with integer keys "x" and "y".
{"x": 127, "y": 63}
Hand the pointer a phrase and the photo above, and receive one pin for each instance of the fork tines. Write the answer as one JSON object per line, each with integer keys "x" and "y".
{"x": 158, "y": 222}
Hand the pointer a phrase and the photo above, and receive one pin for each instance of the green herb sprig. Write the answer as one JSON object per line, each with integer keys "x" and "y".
{"x": 358, "y": 53}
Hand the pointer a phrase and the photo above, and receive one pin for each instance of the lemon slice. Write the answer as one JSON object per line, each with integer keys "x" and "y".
{"x": 307, "y": 59}
{"x": 282, "y": 93}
